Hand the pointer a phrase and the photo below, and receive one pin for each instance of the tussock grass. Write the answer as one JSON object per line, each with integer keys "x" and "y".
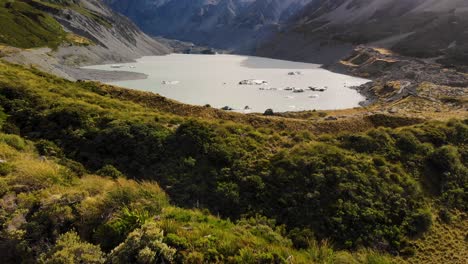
{"x": 445, "y": 243}
{"x": 33, "y": 174}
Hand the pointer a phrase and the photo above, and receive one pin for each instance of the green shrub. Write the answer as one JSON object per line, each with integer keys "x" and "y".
{"x": 5, "y": 168}
{"x": 75, "y": 167}
{"x": 445, "y": 216}
{"x": 176, "y": 241}
{"x": 268, "y": 112}
{"x": 10, "y": 128}
{"x": 13, "y": 141}
{"x": 69, "y": 249}
{"x": 116, "y": 230}
{"x": 301, "y": 238}
{"x": 421, "y": 222}
{"x": 407, "y": 142}
{"x": 360, "y": 143}
{"x": 144, "y": 245}
{"x": 195, "y": 258}
{"x": 447, "y": 164}
{"x": 48, "y": 148}
{"x": 110, "y": 171}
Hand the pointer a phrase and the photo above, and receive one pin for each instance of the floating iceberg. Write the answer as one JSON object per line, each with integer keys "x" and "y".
{"x": 295, "y": 73}
{"x": 298, "y": 90}
{"x": 169, "y": 82}
{"x": 253, "y": 82}
{"x": 316, "y": 89}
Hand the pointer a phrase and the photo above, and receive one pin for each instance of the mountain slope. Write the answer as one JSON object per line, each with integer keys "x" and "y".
{"x": 108, "y": 31}
{"x": 420, "y": 28}
{"x": 228, "y": 24}
{"x": 71, "y": 33}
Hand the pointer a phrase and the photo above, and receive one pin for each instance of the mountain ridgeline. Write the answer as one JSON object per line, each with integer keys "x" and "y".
{"x": 421, "y": 28}
{"x": 310, "y": 30}
{"x": 230, "y": 24}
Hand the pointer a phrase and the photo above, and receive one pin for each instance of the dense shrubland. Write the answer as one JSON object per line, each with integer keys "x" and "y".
{"x": 50, "y": 214}
{"x": 376, "y": 189}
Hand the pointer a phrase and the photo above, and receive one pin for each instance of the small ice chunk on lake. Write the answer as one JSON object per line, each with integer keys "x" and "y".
{"x": 170, "y": 82}
{"x": 252, "y": 82}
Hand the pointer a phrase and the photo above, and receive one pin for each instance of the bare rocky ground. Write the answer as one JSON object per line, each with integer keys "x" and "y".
{"x": 47, "y": 60}
{"x": 396, "y": 77}
{"x": 401, "y": 87}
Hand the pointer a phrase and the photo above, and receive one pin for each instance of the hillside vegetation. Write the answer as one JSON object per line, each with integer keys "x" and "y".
{"x": 379, "y": 189}
{"x": 53, "y": 213}
{"x": 25, "y": 26}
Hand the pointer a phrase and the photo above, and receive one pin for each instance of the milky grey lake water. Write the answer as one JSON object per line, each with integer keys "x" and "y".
{"x": 214, "y": 80}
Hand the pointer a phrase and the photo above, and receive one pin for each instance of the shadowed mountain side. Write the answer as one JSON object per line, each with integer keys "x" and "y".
{"x": 422, "y": 28}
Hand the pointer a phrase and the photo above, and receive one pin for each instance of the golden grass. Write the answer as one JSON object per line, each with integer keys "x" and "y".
{"x": 32, "y": 173}
{"x": 78, "y": 40}
{"x": 384, "y": 51}
{"x": 444, "y": 243}
{"x": 348, "y": 63}
{"x": 8, "y": 50}
{"x": 8, "y": 153}
{"x": 388, "y": 60}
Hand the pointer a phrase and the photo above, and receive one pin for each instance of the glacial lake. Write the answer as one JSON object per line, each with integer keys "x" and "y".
{"x": 214, "y": 80}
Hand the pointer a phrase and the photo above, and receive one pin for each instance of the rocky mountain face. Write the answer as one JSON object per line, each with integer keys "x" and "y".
{"x": 114, "y": 37}
{"x": 418, "y": 28}
{"x": 230, "y": 24}
{"x": 95, "y": 34}
{"x": 310, "y": 30}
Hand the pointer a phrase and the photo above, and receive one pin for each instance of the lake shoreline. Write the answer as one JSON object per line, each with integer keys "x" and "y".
{"x": 200, "y": 79}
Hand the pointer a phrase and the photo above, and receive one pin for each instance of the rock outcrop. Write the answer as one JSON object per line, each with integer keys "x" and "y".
{"x": 114, "y": 37}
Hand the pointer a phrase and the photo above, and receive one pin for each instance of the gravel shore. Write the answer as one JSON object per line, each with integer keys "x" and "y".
{"x": 47, "y": 60}
{"x": 106, "y": 76}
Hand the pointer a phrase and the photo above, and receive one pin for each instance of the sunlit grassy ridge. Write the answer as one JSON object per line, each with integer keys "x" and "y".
{"x": 30, "y": 23}
{"x": 381, "y": 188}
{"x": 24, "y": 26}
